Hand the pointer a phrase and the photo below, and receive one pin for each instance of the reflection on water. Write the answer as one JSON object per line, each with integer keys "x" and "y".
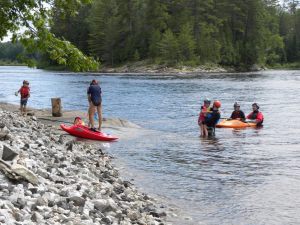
{"x": 247, "y": 176}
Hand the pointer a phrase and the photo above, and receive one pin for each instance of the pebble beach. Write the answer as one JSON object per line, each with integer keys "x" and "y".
{"x": 50, "y": 178}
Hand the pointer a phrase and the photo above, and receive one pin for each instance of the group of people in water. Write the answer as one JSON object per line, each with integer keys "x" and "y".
{"x": 210, "y": 116}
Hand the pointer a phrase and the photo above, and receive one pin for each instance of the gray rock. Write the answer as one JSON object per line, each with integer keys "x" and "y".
{"x": 8, "y": 154}
{"x": 42, "y": 201}
{"x": 78, "y": 201}
{"x": 24, "y": 173}
{"x": 36, "y": 217}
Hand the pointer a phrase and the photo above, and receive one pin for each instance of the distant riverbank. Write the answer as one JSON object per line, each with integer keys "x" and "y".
{"x": 146, "y": 67}
{"x": 151, "y": 68}
{"x": 11, "y": 63}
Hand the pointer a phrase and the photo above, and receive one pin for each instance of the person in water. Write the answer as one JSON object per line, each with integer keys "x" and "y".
{"x": 95, "y": 99}
{"x": 256, "y": 116}
{"x": 204, "y": 110}
{"x": 237, "y": 114}
{"x": 213, "y": 117}
{"x": 25, "y": 95}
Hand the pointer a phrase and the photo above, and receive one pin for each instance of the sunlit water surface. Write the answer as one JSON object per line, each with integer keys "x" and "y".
{"x": 249, "y": 176}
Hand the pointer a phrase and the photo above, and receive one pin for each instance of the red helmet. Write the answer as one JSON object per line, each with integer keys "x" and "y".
{"x": 217, "y": 104}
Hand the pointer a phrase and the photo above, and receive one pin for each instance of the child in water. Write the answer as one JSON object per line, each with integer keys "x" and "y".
{"x": 25, "y": 94}
{"x": 201, "y": 119}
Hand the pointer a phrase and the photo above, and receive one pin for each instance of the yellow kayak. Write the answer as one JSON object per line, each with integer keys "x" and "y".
{"x": 234, "y": 124}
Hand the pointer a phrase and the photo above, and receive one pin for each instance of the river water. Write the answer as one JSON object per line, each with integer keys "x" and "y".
{"x": 249, "y": 176}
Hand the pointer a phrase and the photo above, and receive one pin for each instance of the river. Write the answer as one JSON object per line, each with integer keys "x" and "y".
{"x": 249, "y": 176}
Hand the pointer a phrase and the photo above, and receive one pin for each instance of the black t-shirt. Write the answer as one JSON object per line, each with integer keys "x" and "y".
{"x": 238, "y": 114}
{"x": 95, "y": 92}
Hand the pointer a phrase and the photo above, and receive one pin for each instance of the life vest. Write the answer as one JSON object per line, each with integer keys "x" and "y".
{"x": 24, "y": 91}
{"x": 256, "y": 115}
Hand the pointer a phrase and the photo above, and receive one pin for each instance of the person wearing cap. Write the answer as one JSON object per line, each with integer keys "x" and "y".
{"x": 204, "y": 110}
{"x": 95, "y": 100}
{"x": 237, "y": 114}
{"x": 213, "y": 118}
{"x": 256, "y": 116}
{"x": 25, "y": 94}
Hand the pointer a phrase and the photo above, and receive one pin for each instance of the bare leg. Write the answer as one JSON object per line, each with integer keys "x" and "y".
{"x": 99, "y": 110}
{"x": 24, "y": 110}
{"x": 91, "y": 115}
{"x": 201, "y": 130}
{"x": 205, "y": 133}
{"x": 89, "y": 109}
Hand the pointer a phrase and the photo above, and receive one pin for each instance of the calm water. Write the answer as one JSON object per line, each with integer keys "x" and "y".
{"x": 249, "y": 176}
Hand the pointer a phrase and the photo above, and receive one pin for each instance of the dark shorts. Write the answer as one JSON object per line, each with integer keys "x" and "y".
{"x": 96, "y": 103}
{"x": 24, "y": 101}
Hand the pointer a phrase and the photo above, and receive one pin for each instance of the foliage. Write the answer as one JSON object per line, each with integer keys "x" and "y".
{"x": 35, "y": 17}
{"x": 179, "y": 32}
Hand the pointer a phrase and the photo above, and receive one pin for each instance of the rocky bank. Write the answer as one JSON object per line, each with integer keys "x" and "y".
{"x": 47, "y": 178}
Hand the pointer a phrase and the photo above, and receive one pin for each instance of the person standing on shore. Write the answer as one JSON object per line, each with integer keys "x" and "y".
{"x": 25, "y": 94}
{"x": 95, "y": 100}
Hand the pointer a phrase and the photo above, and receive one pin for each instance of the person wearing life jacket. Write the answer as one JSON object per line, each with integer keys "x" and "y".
{"x": 214, "y": 116}
{"x": 204, "y": 109}
{"x": 78, "y": 121}
{"x": 256, "y": 115}
{"x": 25, "y": 94}
{"x": 237, "y": 114}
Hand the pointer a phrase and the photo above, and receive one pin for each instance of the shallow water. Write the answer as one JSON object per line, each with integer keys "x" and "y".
{"x": 249, "y": 176}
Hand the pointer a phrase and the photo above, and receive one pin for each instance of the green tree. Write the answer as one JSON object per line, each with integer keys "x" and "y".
{"x": 35, "y": 16}
{"x": 104, "y": 31}
{"x": 186, "y": 43}
{"x": 169, "y": 48}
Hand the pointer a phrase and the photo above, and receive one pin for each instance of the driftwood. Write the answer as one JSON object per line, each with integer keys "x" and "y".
{"x": 13, "y": 170}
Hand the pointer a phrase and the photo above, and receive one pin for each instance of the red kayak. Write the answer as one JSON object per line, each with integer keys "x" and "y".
{"x": 85, "y": 132}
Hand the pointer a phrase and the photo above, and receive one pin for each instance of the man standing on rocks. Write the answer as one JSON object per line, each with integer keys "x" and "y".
{"x": 94, "y": 97}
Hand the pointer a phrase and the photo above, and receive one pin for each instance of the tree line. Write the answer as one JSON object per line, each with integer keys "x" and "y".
{"x": 236, "y": 33}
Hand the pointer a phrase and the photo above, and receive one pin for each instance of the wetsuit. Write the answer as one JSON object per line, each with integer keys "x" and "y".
{"x": 257, "y": 116}
{"x": 213, "y": 118}
{"x": 238, "y": 114}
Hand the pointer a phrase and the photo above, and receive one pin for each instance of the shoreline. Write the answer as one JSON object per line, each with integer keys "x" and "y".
{"x": 77, "y": 183}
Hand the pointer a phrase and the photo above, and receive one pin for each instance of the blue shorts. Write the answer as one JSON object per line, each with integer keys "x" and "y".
{"x": 24, "y": 101}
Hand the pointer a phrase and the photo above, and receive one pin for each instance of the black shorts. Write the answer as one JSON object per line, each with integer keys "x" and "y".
{"x": 96, "y": 103}
{"x": 23, "y": 101}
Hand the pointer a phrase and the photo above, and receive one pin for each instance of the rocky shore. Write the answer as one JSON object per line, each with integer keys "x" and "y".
{"x": 47, "y": 178}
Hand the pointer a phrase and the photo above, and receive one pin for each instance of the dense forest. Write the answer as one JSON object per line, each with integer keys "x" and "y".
{"x": 237, "y": 33}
